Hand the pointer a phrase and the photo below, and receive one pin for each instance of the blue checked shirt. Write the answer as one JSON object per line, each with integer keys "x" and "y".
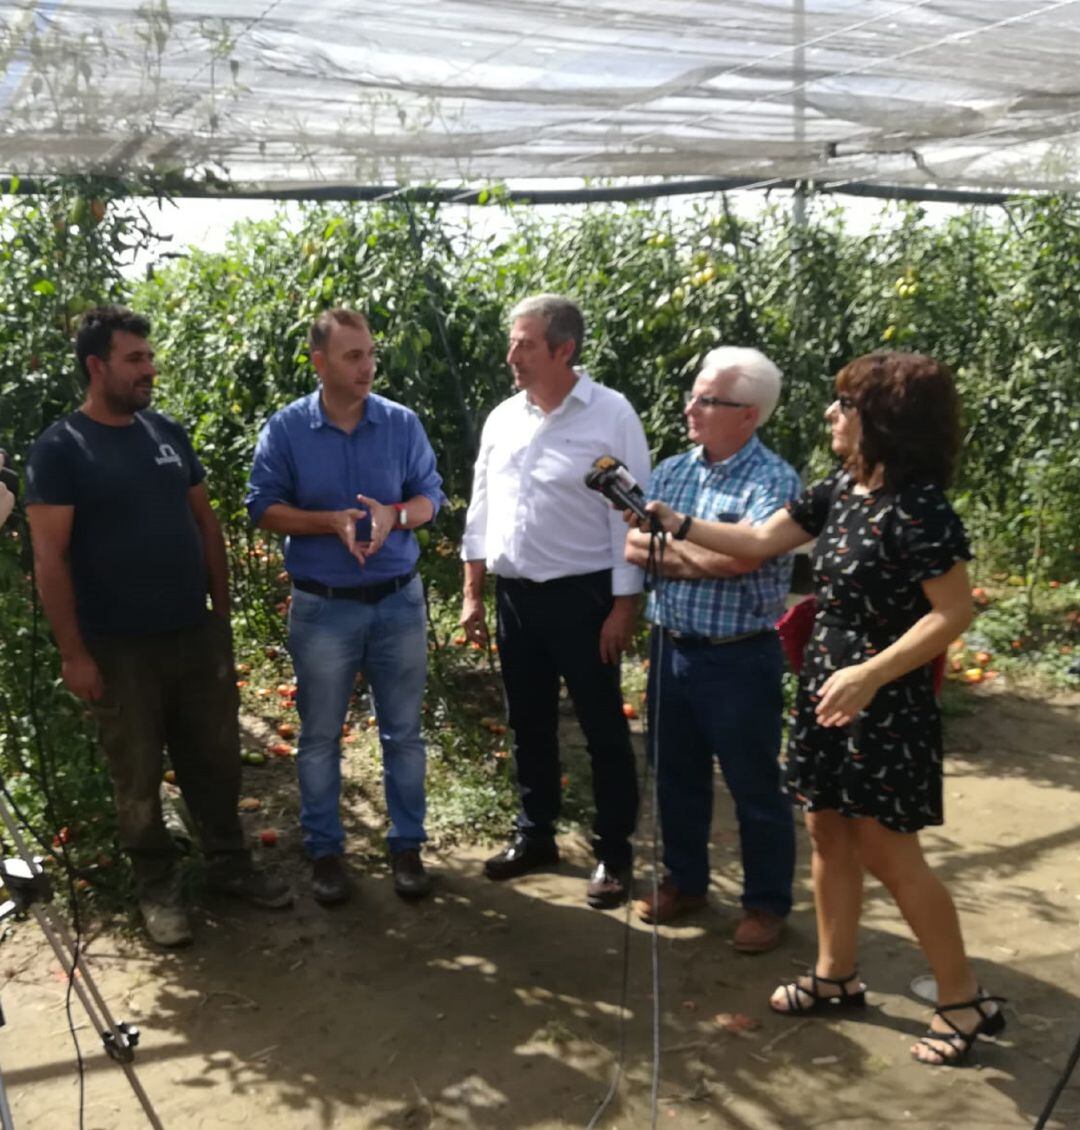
{"x": 752, "y": 484}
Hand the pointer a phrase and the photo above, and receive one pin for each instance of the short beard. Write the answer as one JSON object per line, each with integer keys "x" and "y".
{"x": 127, "y": 403}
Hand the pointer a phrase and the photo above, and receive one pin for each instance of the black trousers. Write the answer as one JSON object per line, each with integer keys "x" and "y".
{"x": 548, "y": 631}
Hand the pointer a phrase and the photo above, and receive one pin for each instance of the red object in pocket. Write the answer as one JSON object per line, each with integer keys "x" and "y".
{"x": 794, "y": 629}
{"x": 938, "y": 671}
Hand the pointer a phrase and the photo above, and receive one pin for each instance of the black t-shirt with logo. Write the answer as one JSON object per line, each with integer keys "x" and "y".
{"x": 136, "y": 551}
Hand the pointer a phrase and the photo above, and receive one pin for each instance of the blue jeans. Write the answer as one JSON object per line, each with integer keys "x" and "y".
{"x": 331, "y": 640}
{"x": 723, "y": 702}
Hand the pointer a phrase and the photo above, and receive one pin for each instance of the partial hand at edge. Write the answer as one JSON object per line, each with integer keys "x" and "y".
{"x": 82, "y": 677}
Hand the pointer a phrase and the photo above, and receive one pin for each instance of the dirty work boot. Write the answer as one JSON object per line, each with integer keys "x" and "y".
{"x": 243, "y": 880}
{"x": 166, "y": 925}
{"x": 162, "y": 907}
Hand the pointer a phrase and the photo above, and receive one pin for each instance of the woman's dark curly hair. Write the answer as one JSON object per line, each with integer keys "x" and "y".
{"x": 909, "y": 412}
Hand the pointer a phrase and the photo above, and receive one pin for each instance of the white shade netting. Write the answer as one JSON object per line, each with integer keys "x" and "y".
{"x": 288, "y": 94}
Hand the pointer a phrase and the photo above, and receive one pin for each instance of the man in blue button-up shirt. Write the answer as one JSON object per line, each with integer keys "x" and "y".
{"x": 347, "y": 475}
{"x": 714, "y": 680}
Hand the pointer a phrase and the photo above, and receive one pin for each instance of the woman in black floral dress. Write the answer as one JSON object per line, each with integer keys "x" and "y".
{"x": 865, "y": 752}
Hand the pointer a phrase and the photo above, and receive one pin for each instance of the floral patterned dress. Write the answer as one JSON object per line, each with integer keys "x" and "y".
{"x": 873, "y": 552}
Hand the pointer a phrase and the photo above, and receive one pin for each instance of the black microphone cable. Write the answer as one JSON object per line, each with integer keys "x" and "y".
{"x": 654, "y": 581}
{"x": 46, "y": 766}
{"x": 654, "y": 568}
{"x": 1059, "y": 1086}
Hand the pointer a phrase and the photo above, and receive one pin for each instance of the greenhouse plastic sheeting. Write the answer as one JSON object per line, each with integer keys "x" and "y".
{"x": 280, "y": 94}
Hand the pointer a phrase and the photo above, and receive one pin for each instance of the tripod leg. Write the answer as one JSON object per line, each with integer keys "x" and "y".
{"x": 120, "y": 1049}
{"x": 119, "y": 1039}
{"x": 5, "y": 1111}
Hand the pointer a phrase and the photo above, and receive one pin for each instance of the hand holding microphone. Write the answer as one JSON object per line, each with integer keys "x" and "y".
{"x": 612, "y": 478}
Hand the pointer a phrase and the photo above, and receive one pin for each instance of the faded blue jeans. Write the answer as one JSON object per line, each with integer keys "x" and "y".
{"x": 331, "y": 640}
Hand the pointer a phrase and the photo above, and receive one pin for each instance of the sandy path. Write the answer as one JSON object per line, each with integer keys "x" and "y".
{"x": 496, "y": 1006}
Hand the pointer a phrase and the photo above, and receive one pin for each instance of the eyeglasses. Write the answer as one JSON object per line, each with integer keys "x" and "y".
{"x": 846, "y": 404}
{"x": 689, "y": 399}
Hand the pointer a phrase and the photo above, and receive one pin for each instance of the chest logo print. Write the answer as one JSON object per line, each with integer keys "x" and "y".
{"x": 166, "y": 455}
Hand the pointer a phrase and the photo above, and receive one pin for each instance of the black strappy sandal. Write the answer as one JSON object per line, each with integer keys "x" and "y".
{"x": 819, "y": 1002}
{"x": 990, "y": 1024}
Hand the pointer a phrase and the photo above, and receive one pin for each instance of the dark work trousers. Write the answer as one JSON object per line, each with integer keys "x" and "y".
{"x": 546, "y": 631}
{"x": 722, "y": 703}
{"x": 174, "y": 689}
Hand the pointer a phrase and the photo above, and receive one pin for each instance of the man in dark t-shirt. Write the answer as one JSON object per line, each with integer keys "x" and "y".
{"x": 126, "y": 549}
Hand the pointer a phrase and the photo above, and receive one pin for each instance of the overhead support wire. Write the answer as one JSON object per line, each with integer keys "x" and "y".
{"x": 608, "y": 194}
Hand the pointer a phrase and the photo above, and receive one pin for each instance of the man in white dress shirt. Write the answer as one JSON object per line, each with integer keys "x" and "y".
{"x": 566, "y": 600}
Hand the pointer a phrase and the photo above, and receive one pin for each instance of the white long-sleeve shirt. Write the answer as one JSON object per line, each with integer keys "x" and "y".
{"x": 531, "y": 515}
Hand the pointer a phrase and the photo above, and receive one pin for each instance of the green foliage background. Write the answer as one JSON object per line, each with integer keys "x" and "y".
{"x": 993, "y": 293}
{"x": 994, "y": 296}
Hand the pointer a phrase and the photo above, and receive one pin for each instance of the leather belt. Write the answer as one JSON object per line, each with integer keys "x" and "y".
{"x": 570, "y": 578}
{"x": 366, "y": 594}
{"x": 685, "y": 639}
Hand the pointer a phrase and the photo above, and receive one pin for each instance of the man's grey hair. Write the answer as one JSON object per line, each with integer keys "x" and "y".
{"x": 757, "y": 379}
{"x": 562, "y": 318}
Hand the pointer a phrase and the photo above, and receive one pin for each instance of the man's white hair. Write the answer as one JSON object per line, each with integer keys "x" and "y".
{"x": 757, "y": 379}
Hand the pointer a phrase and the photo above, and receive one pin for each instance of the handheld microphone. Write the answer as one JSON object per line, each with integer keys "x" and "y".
{"x": 612, "y": 478}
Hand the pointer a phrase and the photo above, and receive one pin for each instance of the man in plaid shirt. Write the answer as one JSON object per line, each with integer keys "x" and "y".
{"x": 714, "y": 678}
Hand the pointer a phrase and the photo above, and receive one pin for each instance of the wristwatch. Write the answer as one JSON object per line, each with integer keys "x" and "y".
{"x": 402, "y": 519}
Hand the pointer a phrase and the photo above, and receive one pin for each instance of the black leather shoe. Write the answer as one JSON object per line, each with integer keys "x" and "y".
{"x": 521, "y": 855}
{"x": 329, "y": 883}
{"x": 411, "y": 881}
{"x": 608, "y": 886}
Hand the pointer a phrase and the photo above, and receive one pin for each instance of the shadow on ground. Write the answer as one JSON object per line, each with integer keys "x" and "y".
{"x": 498, "y": 1005}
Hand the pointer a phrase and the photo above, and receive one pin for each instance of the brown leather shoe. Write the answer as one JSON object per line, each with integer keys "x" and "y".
{"x": 670, "y": 903}
{"x": 758, "y": 931}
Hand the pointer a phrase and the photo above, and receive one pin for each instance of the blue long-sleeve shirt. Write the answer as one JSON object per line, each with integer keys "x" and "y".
{"x": 303, "y": 460}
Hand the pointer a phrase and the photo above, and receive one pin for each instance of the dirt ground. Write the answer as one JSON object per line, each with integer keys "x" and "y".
{"x": 493, "y": 1006}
